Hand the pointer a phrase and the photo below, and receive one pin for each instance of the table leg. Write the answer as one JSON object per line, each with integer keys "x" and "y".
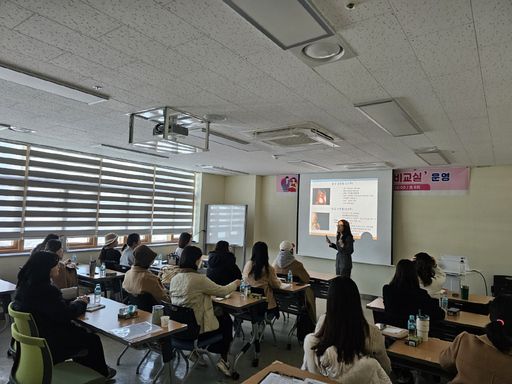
{"x": 6, "y": 299}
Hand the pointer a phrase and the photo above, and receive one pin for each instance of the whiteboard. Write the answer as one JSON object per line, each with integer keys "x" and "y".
{"x": 226, "y": 222}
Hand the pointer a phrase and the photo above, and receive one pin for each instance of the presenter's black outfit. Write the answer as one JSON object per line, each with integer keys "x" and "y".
{"x": 345, "y": 248}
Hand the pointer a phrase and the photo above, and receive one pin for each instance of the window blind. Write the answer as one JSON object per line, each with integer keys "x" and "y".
{"x": 173, "y": 209}
{"x": 126, "y": 198}
{"x": 62, "y": 193}
{"x": 12, "y": 188}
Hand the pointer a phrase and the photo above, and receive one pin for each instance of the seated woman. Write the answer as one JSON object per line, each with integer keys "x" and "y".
{"x": 285, "y": 262}
{"x": 258, "y": 273}
{"x": 42, "y": 246}
{"x": 67, "y": 276}
{"x": 344, "y": 347}
{"x": 431, "y": 276}
{"x": 483, "y": 359}
{"x": 35, "y": 294}
{"x": 184, "y": 241}
{"x": 192, "y": 289}
{"x": 404, "y": 297}
{"x": 132, "y": 242}
{"x": 222, "y": 268}
{"x": 138, "y": 279}
{"x": 109, "y": 254}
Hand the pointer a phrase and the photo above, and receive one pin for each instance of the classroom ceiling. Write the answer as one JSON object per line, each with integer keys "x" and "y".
{"x": 448, "y": 63}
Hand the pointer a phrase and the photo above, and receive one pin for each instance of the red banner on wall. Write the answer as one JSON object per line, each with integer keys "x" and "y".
{"x": 431, "y": 179}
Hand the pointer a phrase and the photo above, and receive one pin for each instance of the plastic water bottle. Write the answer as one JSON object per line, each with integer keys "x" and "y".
{"x": 242, "y": 287}
{"x": 103, "y": 270}
{"x": 159, "y": 259}
{"x": 97, "y": 294}
{"x": 289, "y": 278}
{"x": 411, "y": 326}
{"x": 444, "y": 301}
{"x": 462, "y": 272}
{"x": 73, "y": 258}
{"x": 247, "y": 290}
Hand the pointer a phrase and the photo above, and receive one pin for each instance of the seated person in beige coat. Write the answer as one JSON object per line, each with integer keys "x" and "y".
{"x": 286, "y": 261}
{"x": 138, "y": 279}
{"x": 192, "y": 289}
{"x": 344, "y": 347}
{"x": 259, "y": 273}
{"x": 485, "y": 359}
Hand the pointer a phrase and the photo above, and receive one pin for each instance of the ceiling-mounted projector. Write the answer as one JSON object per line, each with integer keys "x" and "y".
{"x": 174, "y": 129}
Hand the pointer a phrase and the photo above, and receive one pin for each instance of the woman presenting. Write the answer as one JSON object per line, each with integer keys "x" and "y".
{"x": 345, "y": 247}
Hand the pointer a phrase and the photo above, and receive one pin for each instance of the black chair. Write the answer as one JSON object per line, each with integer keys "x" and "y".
{"x": 292, "y": 304}
{"x": 145, "y": 302}
{"x": 189, "y": 339}
{"x": 501, "y": 284}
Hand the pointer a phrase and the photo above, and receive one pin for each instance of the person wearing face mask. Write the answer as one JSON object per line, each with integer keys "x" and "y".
{"x": 192, "y": 289}
{"x": 345, "y": 247}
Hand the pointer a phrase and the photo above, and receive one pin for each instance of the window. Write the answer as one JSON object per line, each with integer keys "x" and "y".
{"x": 84, "y": 197}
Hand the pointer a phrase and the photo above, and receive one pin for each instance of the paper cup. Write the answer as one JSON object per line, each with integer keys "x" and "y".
{"x": 169, "y": 325}
{"x": 164, "y": 321}
{"x": 422, "y": 327}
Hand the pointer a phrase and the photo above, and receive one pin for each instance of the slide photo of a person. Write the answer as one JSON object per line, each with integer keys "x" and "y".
{"x": 321, "y": 196}
{"x": 319, "y": 221}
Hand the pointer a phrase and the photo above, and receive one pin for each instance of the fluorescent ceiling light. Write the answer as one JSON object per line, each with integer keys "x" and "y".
{"x": 309, "y": 164}
{"x": 226, "y": 171}
{"x": 56, "y": 87}
{"x": 366, "y": 166}
{"x": 433, "y": 157}
{"x": 288, "y": 23}
{"x": 389, "y": 116}
{"x": 131, "y": 150}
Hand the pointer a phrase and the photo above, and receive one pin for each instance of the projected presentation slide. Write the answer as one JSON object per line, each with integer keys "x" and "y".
{"x": 354, "y": 200}
{"x": 364, "y": 199}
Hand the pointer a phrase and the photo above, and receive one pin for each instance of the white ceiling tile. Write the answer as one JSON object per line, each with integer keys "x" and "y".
{"x": 473, "y": 130}
{"x": 43, "y": 29}
{"x": 379, "y": 42}
{"x": 135, "y": 44}
{"x": 498, "y": 93}
{"x": 15, "y": 41}
{"x": 447, "y": 51}
{"x": 353, "y": 80}
{"x": 11, "y": 14}
{"x": 493, "y": 21}
{"x": 339, "y": 16}
{"x": 149, "y": 18}
{"x": 433, "y": 122}
{"x": 480, "y": 153}
{"x": 419, "y": 17}
{"x": 458, "y": 86}
{"x": 416, "y": 141}
{"x": 495, "y": 61}
{"x": 73, "y": 14}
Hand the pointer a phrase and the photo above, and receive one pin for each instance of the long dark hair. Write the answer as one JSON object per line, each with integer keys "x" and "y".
{"x": 222, "y": 247}
{"x": 405, "y": 275}
{"x": 184, "y": 239}
{"x": 53, "y": 245}
{"x": 259, "y": 259}
{"x": 36, "y": 270}
{"x": 189, "y": 257}
{"x": 425, "y": 265}
{"x": 133, "y": 238}
{"x": 42, "y": 246}
{"x": 347, "y": 233}
{"x": 499, "y": 330}
{"x": 345, "y": 326}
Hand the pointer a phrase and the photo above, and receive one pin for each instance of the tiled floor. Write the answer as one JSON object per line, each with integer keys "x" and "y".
{"x": 126, "y": 371}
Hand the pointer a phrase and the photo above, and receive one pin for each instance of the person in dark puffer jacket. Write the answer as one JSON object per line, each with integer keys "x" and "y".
{"x": 222, "y": 268}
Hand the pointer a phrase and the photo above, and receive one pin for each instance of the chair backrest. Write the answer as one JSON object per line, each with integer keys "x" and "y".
{"x": 183, "y": 315}
{"x": 24, "y": 321}
{"x": 34, "y": 362}
{"x": 144, "y": 301}
{"x": 501, "y": 284}
{"x": 289, "y": 302}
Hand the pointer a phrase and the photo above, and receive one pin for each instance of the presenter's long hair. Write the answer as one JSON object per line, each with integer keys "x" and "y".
{"x": 345, "y": 326}
{"x": 425, "y": 265}
{"x": 499, "y": 330}
{"x": 405, "y": 276}
{"x": 259, "y": 259}
{"x": 131, "y": 240}
{"x": 347, "y": 233}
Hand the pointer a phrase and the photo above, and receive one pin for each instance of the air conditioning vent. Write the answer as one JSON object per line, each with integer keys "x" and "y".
{"x": 300, "y": 135}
